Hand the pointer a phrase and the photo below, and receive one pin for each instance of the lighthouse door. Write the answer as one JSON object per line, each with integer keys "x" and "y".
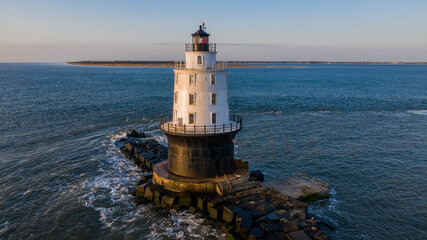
{"x": 179, "y": 121}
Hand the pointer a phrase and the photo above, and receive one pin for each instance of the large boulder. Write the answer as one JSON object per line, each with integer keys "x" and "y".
{"x": 276, "y": 236}
{"x": 229, "y": 213}
{"x": 158, "y": 195}
{"x": 168, "y": 201}
{"x": 256, "y": 175}
{"x": 256, "y": 233}
{"x": 184, "y": 199}
{"x": 139, "y": 200}
{"x": 243, "y": 226}
{"x": 298, "y": 235}
{"x": 128, "y": 146}
{"x": 149, "y": 193}
{"x": 306, "y": 223}
{"x": 193, "y": 210}
{"x": 135, "y": 134}
{"x": 244, "y": 213}
{"x": 299, "y": 214}
{"x": 272, "y": 218}
{"x": 146, "y": 176}
{"x": 202, "y": 203}
{"x": 140, "y": 190}
{"x": 290, "y": 227}
{"x": 268, "y": 227}
{"x": 215, "y": 212}
{"x": 316, "y": 234}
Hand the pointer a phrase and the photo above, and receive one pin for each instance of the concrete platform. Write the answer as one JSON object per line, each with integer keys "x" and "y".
{"x": 172, "y": 182}
{"x": 299, "y": 188}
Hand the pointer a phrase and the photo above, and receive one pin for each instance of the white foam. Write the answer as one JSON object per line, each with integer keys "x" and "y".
{"x": 106, "y": 194}
{"x": 154, "y": 131}
{"x": 182, "y": 225}
{"x": 418, "y": 112}
{"x": 273, "y": 112}
{"x": 116, "y": 136}
{"x": 330, "y": 212}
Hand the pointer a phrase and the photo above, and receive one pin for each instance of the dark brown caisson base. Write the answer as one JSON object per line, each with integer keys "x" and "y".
{"x": 170, "y": 181}
{"x": 201, "y": 156}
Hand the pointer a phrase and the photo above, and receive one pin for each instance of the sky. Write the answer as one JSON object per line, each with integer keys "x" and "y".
{"x": 303, "y": 30}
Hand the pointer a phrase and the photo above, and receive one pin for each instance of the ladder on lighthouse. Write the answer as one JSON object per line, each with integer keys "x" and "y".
{"x": 225, "y": 188}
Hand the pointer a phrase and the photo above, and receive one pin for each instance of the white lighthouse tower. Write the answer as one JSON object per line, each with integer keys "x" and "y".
{"x": 200, "y": 130}
{"x": 200, "y": 88}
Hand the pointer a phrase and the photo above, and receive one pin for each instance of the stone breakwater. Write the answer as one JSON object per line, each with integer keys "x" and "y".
{"x": 256, "y": 213}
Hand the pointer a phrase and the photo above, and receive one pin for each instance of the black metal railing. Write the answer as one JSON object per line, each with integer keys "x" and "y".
{"x": 167, "y": 125}
{"x": 207, "y": 47}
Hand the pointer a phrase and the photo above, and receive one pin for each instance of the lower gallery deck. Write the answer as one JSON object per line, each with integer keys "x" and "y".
{"x": 176, "y": 183}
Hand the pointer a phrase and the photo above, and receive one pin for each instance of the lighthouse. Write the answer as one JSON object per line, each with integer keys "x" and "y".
{"x": 200, "y": 131}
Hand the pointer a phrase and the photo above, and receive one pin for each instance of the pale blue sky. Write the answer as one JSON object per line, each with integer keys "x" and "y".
{"x": 338, "y": 30}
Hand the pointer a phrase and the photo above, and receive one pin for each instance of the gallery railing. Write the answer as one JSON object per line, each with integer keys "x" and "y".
{"x": 322, "y": 184}
{"x": 191, "y": 47}
{"x": 167, "y": 125}
{"x": 220, "y": 65}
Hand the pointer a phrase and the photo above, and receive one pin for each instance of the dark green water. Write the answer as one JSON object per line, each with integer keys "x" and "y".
{"x": 363, "y": 129}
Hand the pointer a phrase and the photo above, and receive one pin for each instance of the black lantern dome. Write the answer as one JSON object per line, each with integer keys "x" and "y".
{"x": 200, "y": 40}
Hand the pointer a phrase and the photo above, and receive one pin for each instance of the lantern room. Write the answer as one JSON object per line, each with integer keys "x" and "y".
{"x": 200, "y": 36}
{"x": 200, "y": 41}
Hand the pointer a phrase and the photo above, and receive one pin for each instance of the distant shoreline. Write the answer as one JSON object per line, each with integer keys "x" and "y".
{"x": 165, "y": 64}
{"x": 232, "y": 64}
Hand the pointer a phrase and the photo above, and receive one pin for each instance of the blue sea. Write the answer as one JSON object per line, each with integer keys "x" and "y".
{"x": 361, "y": 128}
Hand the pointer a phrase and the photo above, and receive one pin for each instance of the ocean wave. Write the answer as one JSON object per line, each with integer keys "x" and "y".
{"x": 154, "y": 131}
{"x": 418, "y": 112}
{"x": 113, "y": 137}
{"x": 106, "y": 193}
{"x": 182, "y": 225}
{"x": 326, "y": 210}
{"x": 324, "y": 111}
{"x": 273, "y": 112}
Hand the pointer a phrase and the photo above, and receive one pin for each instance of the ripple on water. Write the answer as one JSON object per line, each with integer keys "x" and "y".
{"x": 418, "y": 112}
{"x": 4, "y": 226}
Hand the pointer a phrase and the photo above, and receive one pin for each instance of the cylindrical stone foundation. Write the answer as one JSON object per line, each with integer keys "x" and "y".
{"x": 199, "y": 156}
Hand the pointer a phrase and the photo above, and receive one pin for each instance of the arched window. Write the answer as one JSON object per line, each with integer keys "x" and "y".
{"x": 199, "y": 60}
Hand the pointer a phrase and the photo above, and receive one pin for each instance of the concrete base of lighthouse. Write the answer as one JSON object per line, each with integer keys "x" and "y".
{"x": 201, "y": 155}
{"x": 163, "y": 177}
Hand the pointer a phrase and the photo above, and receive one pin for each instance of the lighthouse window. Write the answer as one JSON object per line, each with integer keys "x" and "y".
{"x": 199, "y": 60}
{"x": 191, "y": 99}
{"x": 213, "y": 80}
{"x": 175, "y": 97}
{"x": 213, "y": 118}
{"x": 191, "y": 118}
{"x": 213, "y": 99}
{"x": 192, "y": 79}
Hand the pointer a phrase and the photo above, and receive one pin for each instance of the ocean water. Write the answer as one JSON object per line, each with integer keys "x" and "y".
{"x": 363, "y": 129}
